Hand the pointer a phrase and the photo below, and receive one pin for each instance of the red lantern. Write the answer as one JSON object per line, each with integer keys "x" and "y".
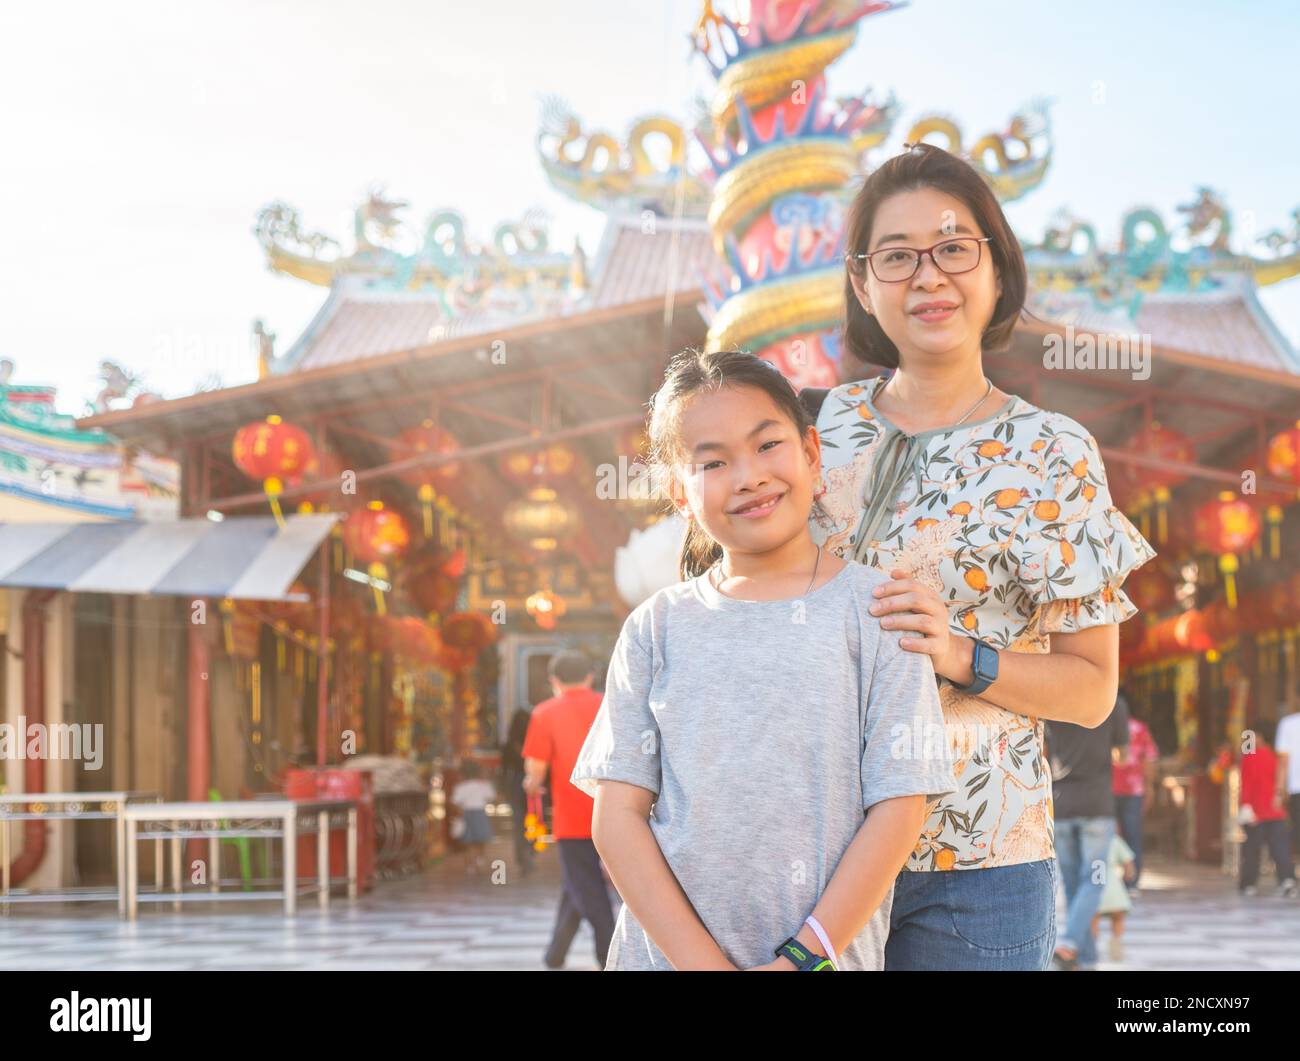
{"x": 377, "y": 536}
{"x": 432, "y": 579}
{"x": 1284, "y": 455}
{"x": 1155, "y": 440}
{"x": 1182, "y": 634}
{"x": 1150, "y": 588}
{"x": 426, "y": 438}
{"x": 464, "y": 635}
{"x": 415, "y": 639}
{"x": 455, "y": 659}
{"x": 272, "y": 452}
{"x": 1226, "y": 526}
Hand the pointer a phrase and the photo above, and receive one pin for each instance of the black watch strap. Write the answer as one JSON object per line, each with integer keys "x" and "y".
{"x": 804, "y": 959}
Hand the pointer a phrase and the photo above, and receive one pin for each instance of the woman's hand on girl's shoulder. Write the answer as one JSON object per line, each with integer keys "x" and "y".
{"x": 919, "y": 613}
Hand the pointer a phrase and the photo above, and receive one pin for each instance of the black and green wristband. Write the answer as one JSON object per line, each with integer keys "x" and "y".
{"x": 804, "y": 960}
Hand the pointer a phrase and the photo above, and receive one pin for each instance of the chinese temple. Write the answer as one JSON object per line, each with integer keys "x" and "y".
{"x": 468, "y": 404}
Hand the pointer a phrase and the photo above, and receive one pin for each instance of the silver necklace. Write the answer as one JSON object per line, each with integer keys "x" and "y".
{"x": 718, "y": 568}
{"x": 987, "y": 391}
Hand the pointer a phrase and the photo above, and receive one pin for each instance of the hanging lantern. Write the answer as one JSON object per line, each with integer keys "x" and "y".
{"x": 272, "y": 452}
{"x": 546, "y": 608}
{"x": 464, "y": 635}
{"x": 415, "y": 639}
{"x": 377, "y": 536}
{"x": 541, "y": 518}
{"x": 1283, "y": 461}
{"x": 426, "y": 438}
{"x": 555, "y": 461}
{"x": 1226, "y": 526}
{"x": 1151, "y": 588}
{"x": 1154, "y": 484}
{"x": 432, "y": 579}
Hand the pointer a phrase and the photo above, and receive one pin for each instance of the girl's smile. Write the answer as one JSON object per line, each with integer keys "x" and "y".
{"x": 759, "y": 507}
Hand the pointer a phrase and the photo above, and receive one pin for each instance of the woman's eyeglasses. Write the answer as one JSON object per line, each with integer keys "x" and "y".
{"x": 892, "y": 265}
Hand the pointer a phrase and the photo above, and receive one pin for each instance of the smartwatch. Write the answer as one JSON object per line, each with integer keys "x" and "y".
{"x": 804, "y": 960}
{"x": 984, "y": 665}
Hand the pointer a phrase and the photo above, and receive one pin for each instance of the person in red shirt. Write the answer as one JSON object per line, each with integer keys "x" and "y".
{"x": 1264, "y": 814}
{"x": 1133, "y": 779}
{"x": 555, "y": 736}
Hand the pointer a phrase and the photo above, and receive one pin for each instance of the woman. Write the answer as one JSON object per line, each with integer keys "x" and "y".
{"x": 1002, "y": 508}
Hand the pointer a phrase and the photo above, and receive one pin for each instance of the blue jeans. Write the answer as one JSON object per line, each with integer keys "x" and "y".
{"x": 1002, "y": 918}
{"x": 1128, "y": 813}
{"x": 1082, "y": 848}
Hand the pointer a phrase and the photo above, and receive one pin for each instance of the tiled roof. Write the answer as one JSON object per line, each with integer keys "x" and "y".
{"x": 633, "y": 264}
{"x": 356, "y": 325}
{"x": 1228, "y": 325}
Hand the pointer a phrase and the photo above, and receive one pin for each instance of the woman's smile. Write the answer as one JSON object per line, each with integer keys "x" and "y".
{"x": 934, "y": 312}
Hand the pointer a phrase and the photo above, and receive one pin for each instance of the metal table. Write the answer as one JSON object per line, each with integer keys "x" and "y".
{"x": 70, "y": 806}
{"x": 216, "y": 821}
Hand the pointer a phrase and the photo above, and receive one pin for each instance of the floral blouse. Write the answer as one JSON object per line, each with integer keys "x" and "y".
{"x": 1010, "y": 520}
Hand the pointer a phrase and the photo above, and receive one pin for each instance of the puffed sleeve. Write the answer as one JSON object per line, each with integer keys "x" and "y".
{"x": 1074, "y": 547}
{"x": 623, "y": 742}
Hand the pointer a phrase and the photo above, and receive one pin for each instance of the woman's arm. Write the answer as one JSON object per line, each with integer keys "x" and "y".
{"x": 1077, "y": 681}
{"x": 620, "y": 829}
{"x": 864, "y": 875}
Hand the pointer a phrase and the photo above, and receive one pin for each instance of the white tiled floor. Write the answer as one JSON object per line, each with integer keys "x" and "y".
{"x": 1185, "y": 918}
{"x": 1191, "y": 917}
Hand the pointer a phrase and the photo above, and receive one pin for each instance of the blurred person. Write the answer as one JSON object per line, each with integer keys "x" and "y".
{"x": 512, "y": 785}
{"x": 555, "y": 735}
{"x": 472, "y": 794}
{"x": 1121, "y": 871}
{"x": 1263, "y": 816}
{"x": 1287, "y": 745}
{"x": 1084, "y": 807}
{"x": 1134, "y": 782}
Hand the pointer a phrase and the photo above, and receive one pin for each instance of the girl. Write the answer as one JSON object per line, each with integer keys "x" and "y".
{"x": 756, "y": 711}
{"x": 472, "y": 794}
{"x": 1003, "y": 509}
{"x": 1121, "y": 868}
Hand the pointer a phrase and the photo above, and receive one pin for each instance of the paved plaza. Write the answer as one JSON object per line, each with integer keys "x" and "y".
{"x": 1187, "y": 917}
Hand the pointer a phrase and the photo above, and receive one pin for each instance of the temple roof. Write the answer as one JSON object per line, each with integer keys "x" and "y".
{"x": 1229, "y": 325}
{"x": 357, "y": 322}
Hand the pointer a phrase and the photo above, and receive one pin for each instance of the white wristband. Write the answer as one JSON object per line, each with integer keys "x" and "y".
{"x": 820, "y": 933}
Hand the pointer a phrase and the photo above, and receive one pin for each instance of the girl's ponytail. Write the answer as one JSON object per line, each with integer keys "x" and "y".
{"x": 699, "y": 552}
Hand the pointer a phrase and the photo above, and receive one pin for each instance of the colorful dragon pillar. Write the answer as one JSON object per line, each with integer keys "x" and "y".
{"x": 784, "y": 161}
{"x": 782, "y": 157}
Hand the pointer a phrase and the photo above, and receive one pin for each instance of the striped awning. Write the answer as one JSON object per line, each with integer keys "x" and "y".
{"x": 246, "y": 558}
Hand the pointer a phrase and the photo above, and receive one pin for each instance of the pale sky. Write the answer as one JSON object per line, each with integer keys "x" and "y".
{"x": 141, "y": 139}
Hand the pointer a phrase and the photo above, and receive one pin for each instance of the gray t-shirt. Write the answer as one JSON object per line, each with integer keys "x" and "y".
{"x": 766, "y": 729}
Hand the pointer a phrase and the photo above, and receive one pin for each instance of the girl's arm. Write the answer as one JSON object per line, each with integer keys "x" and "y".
{"x": 620, "y": 829}
{"x": 864, "y": 875}
{"x": 1076, "y": 681}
